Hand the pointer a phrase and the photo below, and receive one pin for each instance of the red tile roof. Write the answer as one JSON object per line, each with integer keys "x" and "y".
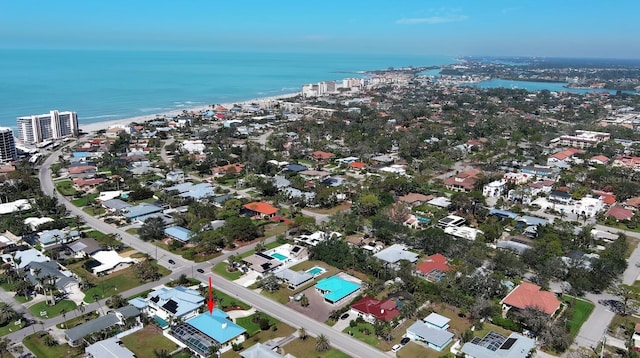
{"x": 607, "y": 197}
{"x": 600, "y": 158}
{"x": 357, "y": 165}
{"x": 81, "y": 169}
{"x": 383, "y": 310}
{"x": 261, "y": 207}
{"x": 320, "y": 155}
{"x": 619, "y": 213}
{"x": 562, "y": 155}
{"x": 633, "y": 202}
{"x": 432, "y": 263}
{"x": 528, "y": 294}
{"x": 236, "y": 167}
{"x": 86, "y": 182}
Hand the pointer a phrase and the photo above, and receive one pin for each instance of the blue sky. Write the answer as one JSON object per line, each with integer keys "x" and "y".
{"x": 566, "y": 28}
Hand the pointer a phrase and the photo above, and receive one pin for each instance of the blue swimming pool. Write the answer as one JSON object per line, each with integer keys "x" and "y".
{"x": 317, "y": 270}
{"x": 279, "y": 256}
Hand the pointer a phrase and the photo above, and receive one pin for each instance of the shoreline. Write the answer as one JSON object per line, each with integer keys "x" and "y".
{"x": 96, "y": 126}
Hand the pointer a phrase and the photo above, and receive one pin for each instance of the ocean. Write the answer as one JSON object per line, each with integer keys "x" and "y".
{"x": 104, "y": 85}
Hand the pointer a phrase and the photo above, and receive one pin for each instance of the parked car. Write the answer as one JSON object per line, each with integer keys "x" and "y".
{"x": 405, "y": 340}
{"x": 344, "y": 316}
{"x": 172, "y": 262}
{"x": 200, "y": 270}
{"x": 396, "y": 348}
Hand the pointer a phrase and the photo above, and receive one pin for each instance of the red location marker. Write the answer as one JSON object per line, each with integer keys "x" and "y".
{"x": 210, "y": 303}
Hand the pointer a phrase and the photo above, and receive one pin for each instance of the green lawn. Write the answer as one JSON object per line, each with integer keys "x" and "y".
{"x": 132, "y": 231}
{"x": 414, "y": 350}
{"x": 307, "y": 348}
{"x": 141, "y": 294}
{"x": 95, "y": 234}
{"x": 52, "y": 311}
{"x": 65, "y": 187}
{"x": 94, "y": 211}
{"x": 223, "y": 300}
{"x": 11, "y": 327}
{"x": 109, "y": 285}
{"x": 39, "y": 349}
{"x": 144, "y": 342}
{"x": 85, "y": 199}
{"x": 363, "y": 332}
{"x": 252, "y": 327}
{"x": 221, "y": 269}
{"x": 582, "y": 311}
{"x": 78, "y": 320}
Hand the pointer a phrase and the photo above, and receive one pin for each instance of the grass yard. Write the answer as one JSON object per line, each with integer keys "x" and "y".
{"x": 275, "y": 229}
{"x": 221, "y": 269}
{"x": 95, "y": 234}
{"x": 132, "y": 231}
{"x": 141, "y": 294}
{"x": 330, "y": 211}
{"x": 363, "y": 332}
{"x": 85, "y": 199}
{"x": 78, "y": 320}
{"x": 307, "y": 348}
{"x": 144, "y": 342}
{"x": 413, "y": 350}
{"x": 11, "y": 327}
{"x": 582, "y": 310}
{"x": 223, "y": 300}
{"x": 253, "y": 327}
{"x": 52, "y": 311}
{"x": 282, "y": 330}
{"x": 35, "y": 344}
{"x": 94, "y": 211}
{"x": 65, "y": 187}
{"x": 106, "y": 286}
{"x": 488, "y": 327}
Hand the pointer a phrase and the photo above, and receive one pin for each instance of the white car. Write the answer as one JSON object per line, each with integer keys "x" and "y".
{"x": 396, "y": 348}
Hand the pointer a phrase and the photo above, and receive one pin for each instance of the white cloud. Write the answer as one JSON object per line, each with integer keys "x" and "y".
{"x": 432, "y": 20}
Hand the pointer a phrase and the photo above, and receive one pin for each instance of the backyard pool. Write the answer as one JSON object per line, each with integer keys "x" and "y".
{"x": 279, "y": 256}
{"x": 317, "y": 270}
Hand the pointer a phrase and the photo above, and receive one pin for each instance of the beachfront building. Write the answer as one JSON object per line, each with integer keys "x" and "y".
{"x": 7, "y": 145}
{"x": 53, "y": 125}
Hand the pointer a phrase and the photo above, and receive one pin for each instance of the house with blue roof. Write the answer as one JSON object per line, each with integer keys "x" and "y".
{"x": 335, "y": 289}
{"x": 207, "y": 329}
{"x": 136, "y": 212}
{"x": 178, "y": 233}
{"x": 194, "y": 191}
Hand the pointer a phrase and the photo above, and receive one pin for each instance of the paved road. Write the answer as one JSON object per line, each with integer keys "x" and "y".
{"x": 339, "y": 340}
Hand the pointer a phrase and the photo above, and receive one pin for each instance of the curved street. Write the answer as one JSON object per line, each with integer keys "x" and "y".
{"x": 337, "y": 339}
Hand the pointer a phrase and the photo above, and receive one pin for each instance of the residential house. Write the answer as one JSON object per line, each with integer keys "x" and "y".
{"x": 563, "y": 159}
{"x": 293, "y": 279}
{"x": 75, "y": 335}
{"x": 636, "y": 338}
{"x": 541, "y": 172}
{"x": 561, "y": 197}
{"x": 494, "y": 189}
{"x": 432, "y": 268}
{"x": 337, "y": 289}
{"x": 317, "y": 237}
{"x": 371, "y": 309}
{"x": 627, "y": 162}
{"x": 110, "y": 261}
{"x": 588, "y": 206}
{"x": 598, "y": 160}
{"x": 463, "y": 232}
{"x": 632, "y": 203}
{"x": 108, "y": 348}
{"x": 178, "y": 233}
{"x": 496, "y": 345}
{"x": 116, "y": 206}
{"x": 531, "y": 295}
{"x": 259, "y": 210}
{"x": 205, "y": 330}
{"x": 619, "y": 213}
{"x": 463, "y": 182}
{"x": 85, "y": 247}
{"x": 415, "y": 199}
{"x": 194, "y": 191}
{"x": 171, "y": 303}
{"x": 262, "y": 263}
{"x": 82, "y": 171}
{"x": 234, "y": 168}
{"x": 175, "y": 176}
{"x": 321, "y": 156}
{"x": 260, "y": 350}
{"x": 451, "y": 221}
{"x": 140, "y": 211}
{"x": 22, "y": 258}
{"x": 393, "y": 254}
{"x": 41, "y": 273}
{"x": 426, "y": 331}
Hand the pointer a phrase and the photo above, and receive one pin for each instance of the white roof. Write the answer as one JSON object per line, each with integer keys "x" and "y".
{"x": 14, "y": 206}
{"x": 109, "y": 260}
{"x": 437, "y": 320}
{"x": 108, "y": 195}
{"x": 395, "y": 253}
{"x": 35, "y": 222}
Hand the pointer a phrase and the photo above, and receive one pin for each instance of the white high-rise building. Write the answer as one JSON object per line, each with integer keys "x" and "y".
{"x": 54, "y": 125}
{"x": 7, "y": 145}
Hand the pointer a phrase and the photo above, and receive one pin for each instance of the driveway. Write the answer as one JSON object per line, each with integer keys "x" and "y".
{"x": 318, "y": 309}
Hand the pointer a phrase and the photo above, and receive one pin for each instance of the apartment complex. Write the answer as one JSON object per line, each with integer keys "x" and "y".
{"x": 7, "y": 145}
{"x": 52, "y": 125}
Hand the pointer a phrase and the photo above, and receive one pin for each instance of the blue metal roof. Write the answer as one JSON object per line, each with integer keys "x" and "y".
{"x": 213, "y": 325}
{"x": 178, "y": 232}
{"x": 337, "y": 288}
{"x": 141, "y": 210}
{"x": 503, "y": 213}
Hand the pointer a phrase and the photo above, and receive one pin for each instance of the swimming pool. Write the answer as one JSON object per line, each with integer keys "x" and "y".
{"x": 317, "y": 270}
{"x": 279, "y": 256}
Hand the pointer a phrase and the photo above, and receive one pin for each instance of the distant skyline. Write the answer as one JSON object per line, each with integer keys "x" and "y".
{"x": 567, "y": 28}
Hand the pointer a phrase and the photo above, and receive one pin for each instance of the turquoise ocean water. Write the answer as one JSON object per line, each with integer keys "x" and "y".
{"x": 108, "y": 85}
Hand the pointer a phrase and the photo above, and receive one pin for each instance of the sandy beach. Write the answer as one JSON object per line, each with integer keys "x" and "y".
{"x": 94, "y": 127}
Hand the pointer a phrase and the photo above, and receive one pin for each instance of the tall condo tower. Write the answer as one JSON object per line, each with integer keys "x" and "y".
{"x": 7, "y": 145}
{"x": 54, "y": 125}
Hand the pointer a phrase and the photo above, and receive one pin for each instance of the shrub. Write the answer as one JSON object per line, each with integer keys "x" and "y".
{"x": 353, "y": 324}
{"x": 506, "y": 323}
{"x": 264, "y": 324}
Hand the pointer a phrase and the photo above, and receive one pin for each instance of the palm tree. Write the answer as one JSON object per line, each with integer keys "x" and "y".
{"x": 48, "y": 340}
{"x": 302, "y": 333}
{"x": 163, "y": 353}
{"x": 322, "y": 345}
